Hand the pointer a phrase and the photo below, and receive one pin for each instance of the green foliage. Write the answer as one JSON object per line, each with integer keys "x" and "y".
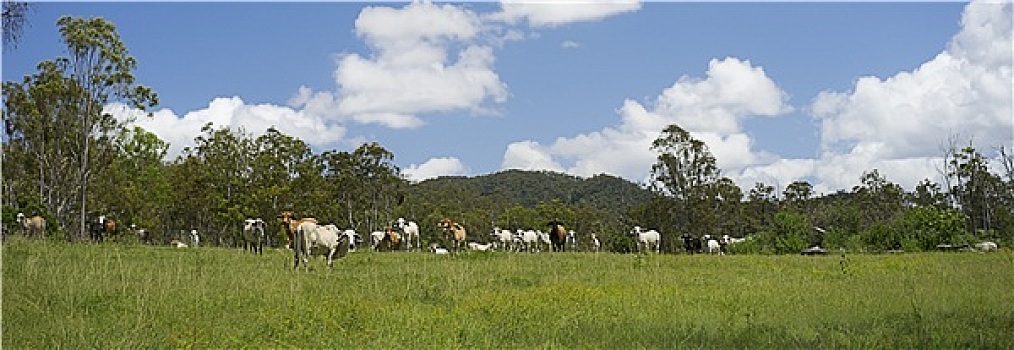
{"x": 124, "y": 296}
{"x": 789, "y": 233}
{"x": 929, "y": 226}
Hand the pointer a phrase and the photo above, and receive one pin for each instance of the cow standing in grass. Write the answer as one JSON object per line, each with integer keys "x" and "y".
{"x": 455, "y": 231}
{"x": 290, "y": 223}
{"x": 309, "y": 235}
{"x": 557, "y": 236}
{"x": 35, "y": 225}
{"x": 253, "y": 235}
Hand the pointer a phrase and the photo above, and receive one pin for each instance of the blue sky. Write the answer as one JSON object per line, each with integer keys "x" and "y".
{"x": 780, "y": 91}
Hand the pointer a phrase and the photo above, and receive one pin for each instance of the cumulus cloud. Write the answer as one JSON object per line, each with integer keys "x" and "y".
{"x": 897, "y": 124}
{"x": 435, "y": 167}
{"x": 710, "y": 108}
{"x": 410, "y": 71}
{"x": 557, "y": 13}
{"x": 234, "y": 113}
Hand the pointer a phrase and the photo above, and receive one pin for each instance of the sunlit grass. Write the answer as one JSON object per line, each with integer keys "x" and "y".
{"x": 59, "y": 295}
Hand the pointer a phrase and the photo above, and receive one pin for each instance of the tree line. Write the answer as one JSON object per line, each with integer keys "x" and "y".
{"x": 66, "y": 160}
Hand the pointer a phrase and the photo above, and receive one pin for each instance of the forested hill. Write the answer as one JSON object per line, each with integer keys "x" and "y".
{"x": 529, "y": 188}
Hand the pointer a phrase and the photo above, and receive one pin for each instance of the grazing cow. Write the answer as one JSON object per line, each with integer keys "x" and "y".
{"x": 32, "y": 226}
{"x": 986, "y": 246}
{"x": 557, "y": 235}
{"x": 309, "y": 235}
{"x": 291, "y": 224}
{"x": 647, "y": 239}
{"x": 456, "y": 232}
{"x": 410, "y": 234}
{"x": 253, "y": 235}
{"x": 596, "y": 245}
{"x": 502, "y": 239}
{"x": 691, "y": 244}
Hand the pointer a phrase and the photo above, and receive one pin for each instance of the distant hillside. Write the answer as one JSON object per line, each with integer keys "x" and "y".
{"x": 528, "y": 188}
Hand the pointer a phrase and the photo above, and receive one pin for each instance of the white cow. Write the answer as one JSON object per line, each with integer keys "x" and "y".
{"x": 502, "y": 238}
{"x": 528, "y": 240}
{"x": 253, "y": 235}
{"x": 195, "y": 238}
{"x": 410, "y": 234}
{"x": 713, "y": 245}
{"x": 375, "y": 238}
{"x": 647, "y": 239}
{"x": 986, "y": 246}
{"x": 438, "y": 250}
{"x": 572, "y": 240}
{"x": 309, "y": 235}
{"x": 596, "y": 245}
{"x": 544, "y": 240}
{"x": 479, "y": 246}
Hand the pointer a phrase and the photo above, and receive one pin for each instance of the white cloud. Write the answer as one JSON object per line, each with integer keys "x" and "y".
{"x": 557, "y": 12}
{"x": 897, "y": 124}
{"x": 570, "y": 44}
{"x": 435, "y": 167}
{"x": 232, "y": 112}
{"x": 529, "y": 155}
{"x": 711, "y": 109}
{"x": 410, "y": 72}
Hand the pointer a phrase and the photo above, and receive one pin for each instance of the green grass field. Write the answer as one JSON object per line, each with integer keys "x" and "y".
{"x": 60, "y": 295}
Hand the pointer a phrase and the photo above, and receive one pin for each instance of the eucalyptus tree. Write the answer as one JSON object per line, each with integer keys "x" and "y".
{"x": 15, "y": 17}
{"x": 135, "y": 188}
{"x": 760, "y": 207}
{"x": 56, "y": 115}
{"x": 684, "y": 171}
{"x": 879, "y": 199}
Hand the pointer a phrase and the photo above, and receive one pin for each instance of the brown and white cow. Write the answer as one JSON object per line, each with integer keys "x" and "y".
{"x": 291, "y": 223}
{"x": 32, "y": 226}
{"x": 456, "y": 232}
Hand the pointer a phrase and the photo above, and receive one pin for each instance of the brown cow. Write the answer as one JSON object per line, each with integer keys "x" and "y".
{"x": 291, "y": 224}
{"x": 391, "y": 240}
{"x": 557, "y": 235}
{"x": 32, "y": 226}
{"x": 457, "y": 230}
{"x": 103, "y": 227}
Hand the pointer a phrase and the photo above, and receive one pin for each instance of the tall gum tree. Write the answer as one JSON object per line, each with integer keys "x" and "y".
{"x": 56, "y": 114}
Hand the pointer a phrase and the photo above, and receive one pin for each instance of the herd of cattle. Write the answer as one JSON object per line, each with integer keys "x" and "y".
{"x": 306, "y": 236}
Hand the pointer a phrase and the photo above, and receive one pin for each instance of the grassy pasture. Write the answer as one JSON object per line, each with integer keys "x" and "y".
{"x": 59, "y": 295}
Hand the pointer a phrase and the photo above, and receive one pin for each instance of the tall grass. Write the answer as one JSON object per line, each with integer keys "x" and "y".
{"x": 59, "y": 295}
